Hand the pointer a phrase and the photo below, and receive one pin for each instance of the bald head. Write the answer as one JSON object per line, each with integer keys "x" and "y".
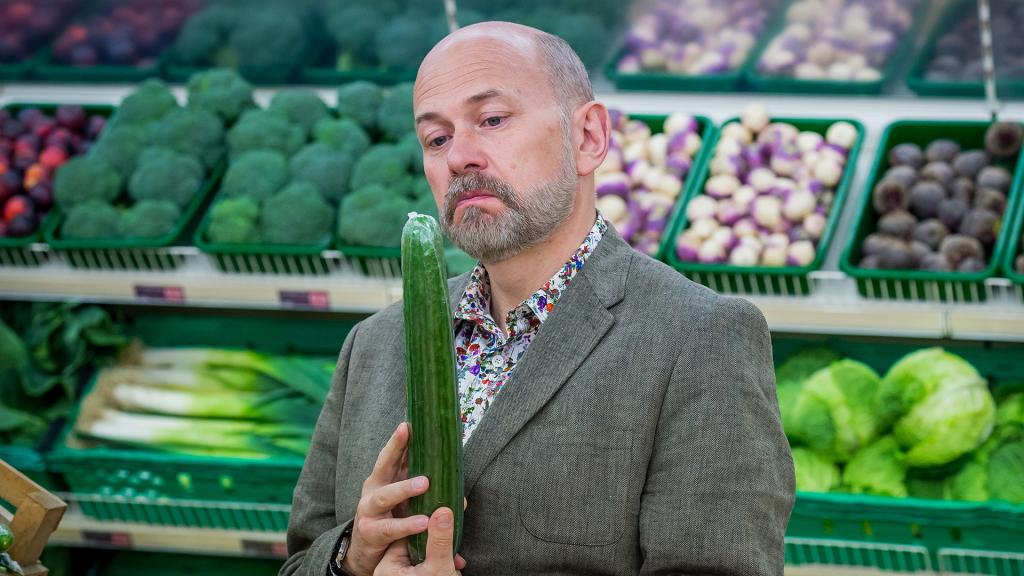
{"x": 567, "y": 76}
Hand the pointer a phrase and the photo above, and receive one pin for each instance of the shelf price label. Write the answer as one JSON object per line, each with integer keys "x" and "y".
{"x": 169, "y": 294}
{"x": 107, "y": 539}
{"x": 305, "y": 299}
{"x": 263, "y": 549}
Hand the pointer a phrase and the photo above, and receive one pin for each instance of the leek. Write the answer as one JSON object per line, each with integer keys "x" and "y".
{"x": 282, "y": 405}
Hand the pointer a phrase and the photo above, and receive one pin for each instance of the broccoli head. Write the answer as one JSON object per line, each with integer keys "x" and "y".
{"x": 353, "y": 28}
{"x": 395, "y": 116}
{"x": 257, "y": 174}
{"x": 92, "y": 219}
{"x": 343, "y": 135}
{"x": 324, "y": 167}
{"x": 164, "y": 174}
{"x": 403, "y": 41}
{"x": 220, "y": 91}
{"x": 119, "y": 147}
{"x": 234, "y": 221}
{"x": 410, "y": 144}
{"x": 191, "y": 131}
{"x": 384, "y": 164}
{"x": 271, "y": 37}
{"x": 296, "y": 215}
{"x": 85, "y": 178}
{"x": 204, "y": 33}
{"x": 373, "y": 216}
{"x": 149, "y": 219}
{"x": 302, "y": 107}
{"x": 148, "y": 103}
{"x": 360, "y": 101}
{"x": 263, "y": 130}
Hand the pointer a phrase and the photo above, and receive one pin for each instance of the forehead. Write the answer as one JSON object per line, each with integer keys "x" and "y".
{"x": 460, "y": 68}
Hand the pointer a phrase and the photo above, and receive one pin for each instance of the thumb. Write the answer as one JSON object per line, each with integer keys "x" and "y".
{"x": 440, "y": 540}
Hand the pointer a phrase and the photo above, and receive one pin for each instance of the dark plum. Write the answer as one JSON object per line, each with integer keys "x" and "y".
{"x": 42, "y": 195}
{"x": 934, "y": 262}
{"x": 898, "y": 223}
{"x": 896, "y": 255}
{"x": 980, "y": 223}
{"x": 903, "y": 174}
{"x": 931, "y": 233}
{"x": 968, "y": 164}
{"x": 971, "y": 265}
{"x": 952, "y": 211}
{"x": 1003, "y": 139}
{"x": 962, "y": 189}
{"x": 990, "y": 199}
{"x": 890, "y": 195}
{"x": 938, "y": 171}
{"x": 95, "y": 126}
{"x": 71, "y": 117}
{"x": 925, "y": 198}
{"x": 920, "y": 251}
{"x": 874, "y": 243}
{"x": 22, "y": 225}
{"x": 906, "y": 155}
{"x": 957, "y": 248}
{"x": 942, "y": 150}
{"x": 870, "y": 262}
{"x": 995, "y": 177}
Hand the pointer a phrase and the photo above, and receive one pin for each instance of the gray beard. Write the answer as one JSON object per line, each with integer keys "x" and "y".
{"x": 527, "y": 220}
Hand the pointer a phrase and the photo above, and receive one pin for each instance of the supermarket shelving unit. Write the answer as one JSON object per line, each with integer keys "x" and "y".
{"x": 834, "y": 308}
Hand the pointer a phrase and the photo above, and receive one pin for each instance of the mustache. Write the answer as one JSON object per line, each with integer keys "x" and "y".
{"x": 465, "y": 183}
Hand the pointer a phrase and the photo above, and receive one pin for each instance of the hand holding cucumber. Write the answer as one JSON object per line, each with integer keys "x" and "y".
{"x": 378, "y": 523}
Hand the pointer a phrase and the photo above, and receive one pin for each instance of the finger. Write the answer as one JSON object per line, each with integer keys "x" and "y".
{"x": 386, "y": 498}
{"x": 395, "y": 560}
{"x": 465, "y": 503}
{"x": 386, "y": 531}
{"x": 460, "y": 562}
{"x": 440, "y": 541}
{"x": 389, "y": 458}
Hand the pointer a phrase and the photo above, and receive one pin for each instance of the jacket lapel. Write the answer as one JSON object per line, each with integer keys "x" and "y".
{"x": 579, "y": 321}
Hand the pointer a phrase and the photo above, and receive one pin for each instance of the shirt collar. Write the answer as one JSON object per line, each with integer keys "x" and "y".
{"x": 475, "y": 305}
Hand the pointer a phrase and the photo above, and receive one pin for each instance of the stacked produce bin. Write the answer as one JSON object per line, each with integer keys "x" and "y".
{"x": 199, "y": 199}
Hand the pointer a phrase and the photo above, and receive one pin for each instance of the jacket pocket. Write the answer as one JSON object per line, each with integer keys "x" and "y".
{"x": 574, "y": 489}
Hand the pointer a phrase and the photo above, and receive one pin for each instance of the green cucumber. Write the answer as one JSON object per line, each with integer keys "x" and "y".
{"x": 432, "y": 402}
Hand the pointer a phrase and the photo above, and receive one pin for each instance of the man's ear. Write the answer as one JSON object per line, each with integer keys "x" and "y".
{"x": 591, "y": 149}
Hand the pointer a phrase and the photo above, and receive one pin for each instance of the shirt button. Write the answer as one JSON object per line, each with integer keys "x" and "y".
{"x": 498, "y": 361}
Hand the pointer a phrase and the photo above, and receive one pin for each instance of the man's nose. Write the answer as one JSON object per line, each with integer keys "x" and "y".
{"x": 465, "y": 154}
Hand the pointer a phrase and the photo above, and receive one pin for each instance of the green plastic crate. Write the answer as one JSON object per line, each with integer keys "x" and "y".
{"x": 160, "y": 564}
{"x": 204, "y": 492}
{"x": 916, "y": 81}
{"x": 1014, "y": 232}
{"x": 764, "y": 280}
{"x": 48, "y": 70}
{"x": 19, "y": 251}
{"x": 755, "y": 80}
{"x": 905, "y": 534}
{"x": 15, "y": 70}
{"x": 916, "y": 284}
{"x": 131, "y": 253}
{"x": 387, "y": 262}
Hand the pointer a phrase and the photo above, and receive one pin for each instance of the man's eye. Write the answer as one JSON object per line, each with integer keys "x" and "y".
{"x": 494, "y": 121}
{"x": 439, "y": 141}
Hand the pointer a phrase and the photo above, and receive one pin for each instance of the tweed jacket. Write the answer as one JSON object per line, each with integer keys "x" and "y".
{"x": 640, "y": 434}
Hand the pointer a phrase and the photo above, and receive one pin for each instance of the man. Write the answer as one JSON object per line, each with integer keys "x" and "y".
{"x": 618, "y": 418}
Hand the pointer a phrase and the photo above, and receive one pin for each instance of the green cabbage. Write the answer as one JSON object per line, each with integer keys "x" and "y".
{"x": 814, "y": 473}
{"x": 879, "y": 469}
{"x": 833, "y": 411}
{"x": 941, "y": 406}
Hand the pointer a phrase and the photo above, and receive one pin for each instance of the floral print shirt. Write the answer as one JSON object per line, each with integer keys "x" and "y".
{"x": 485, "y": 356}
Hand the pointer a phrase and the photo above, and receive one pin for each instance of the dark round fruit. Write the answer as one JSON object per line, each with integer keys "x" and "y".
{"x": 84, "y": 56}
{"x": 95, "y": 126}
{"x": 22, "y": 225}
{"x": 890, "y": 195}
{"x": 938, "y": 171}
{"x": 952, "y": 211}
{"x": 1019, "y": 264}
{"x": 968, "y": 164}
{"x": 990, "y": 199}
{"x": 898, "y": 223}
{"x": 906, "y": 155}
{"x": 1003, "y": 139}
{"x": 995, "y": 177}
{"x": 931, "y": 233}
{"x": 982, "y": 224}
{"x": 870, "y": 262}
{"x": 942, "y": 150}
{"x": 920, "y": 251}
{"x": 971, "y": 265}
{"x": 874, "y": 243}
{"x": 956, "y": 248}
{"x": 71, "y": 117}
{"x": 925, "y": 198}
{"x": 903, "y": 174}
{"x": 934, "y": 262}
{"x": 896, "y": 255}
{"x": 42, "y": 195}
{"x": 962, "y": 189}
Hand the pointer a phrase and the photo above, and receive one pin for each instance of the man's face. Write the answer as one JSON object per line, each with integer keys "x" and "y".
{"x": 495, "y": 152}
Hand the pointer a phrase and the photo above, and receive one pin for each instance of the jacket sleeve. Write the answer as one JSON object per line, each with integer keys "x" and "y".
{"x": 313, "y": 530}
{"x": 720, "y": 483}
